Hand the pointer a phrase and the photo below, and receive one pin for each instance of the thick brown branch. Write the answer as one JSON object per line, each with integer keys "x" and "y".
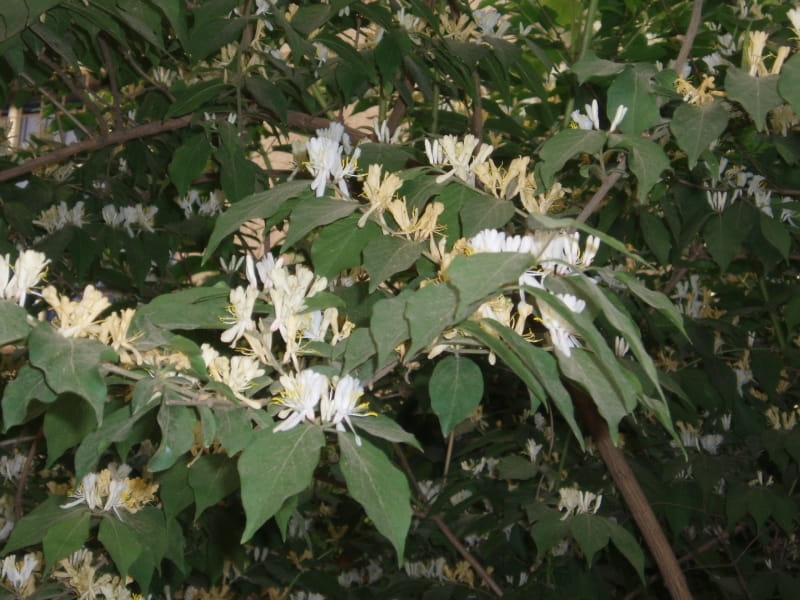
{"x": 691, "y": 33}
{"x": 634, "y": 497}
{"x": 95, "y": 143}
{"x": 310, "y": 123}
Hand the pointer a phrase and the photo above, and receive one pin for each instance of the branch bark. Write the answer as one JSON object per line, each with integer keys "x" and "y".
{"x": 634, "y": 497}
{"x": 691, "y": 33}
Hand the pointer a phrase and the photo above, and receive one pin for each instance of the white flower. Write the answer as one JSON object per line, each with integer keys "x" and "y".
{"x": 241, "y": 309}
{"x": 576, "y": 502}
{"x": 11, "y": 467}
{"x": 449, "y": 151}
{"x": 591, "y": 120}
{"x": 794, "y": 18}
{"x": 28, "y": 270}
{"x": 621, "y": 346}
{"x": 19, "y": 574}
{"x": 490, "y": 21}
{"x": 258, "y": 273}
{"x": 562, "y": 335}
{"x": 710, "y": 442}
{"x": 325, "y": 159}
{"x": 337, "y": 408}
{"x": 77, "y": 319}
{"x": 60, "y": 215}
{"x": 618, "y": 116}
{"x": 532, "y": 449}
{"x": 717, "y": 200}
{"x": 243, "y": 370}
{"x": 300, "y": 397}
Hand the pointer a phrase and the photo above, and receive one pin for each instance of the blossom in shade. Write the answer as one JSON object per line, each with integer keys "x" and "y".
{"x": 241, "y": 313}
{"x": 562, "y": 335}
{"x": 343, "y": 403}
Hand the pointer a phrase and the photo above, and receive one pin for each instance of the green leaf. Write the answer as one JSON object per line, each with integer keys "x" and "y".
{"x": 655, "y": 235}
{"x": 174, "y": 490}
{"x": 529, "y": 363}
{"x": 725, "y": 233}
{"x": 392, "y": 157}
{"x": 284, "y": 514}
{"x": 646, "y": 159}
{"x": 789, "y": 82}
{"x": 627, "y": 545}
{"x": 652, "y": 298}
{"x": 695, "y": 127}
{"x": 359, "y": 348}
{"x": 429, "y": 312}
{"x": 234, "y": 429}
{"x": 566, "y": 144}
{"x": 208, "y": 36}
{"x": 776, "y": 233}
{"x": 274, "y": 467}
{"x": 237, "y": 173}
{"x": 484, "y": 212}
{"x": 212, "y": 477}
{"x": 121, "y": 542}
{"x": 66, "y": 424}
{"x": 260, "y": 205}
{"x": 482, "y": 276}
{"x": 383, "y": 427}
{"x": 338, "y": 246}
{"x": 268, "y": 95}
{"x": 70, "y": 364}
{"x": 189, "y": 161}
{"x": 315, "y": 212}
{"x": 758, "y": 95}
{"x": 591, "y": 534}
{"x": 388, "y": 326}
{"x": 65, "y": 537}
{"x": 177, "y": 435}
{"x": 456, "y": 389}
{"x": 632, "y": 88}
{"x": 28, "y": 385}
{"x": 375, "y": 483}
{"x": 191, "y": 98}
{"x": 384, "y": 256}
{"x": 176, "y": 15}
{"x": 549, "y": 531}
{"x": 582, "y": 367}
{"x": 31, "y": 529}
{"x": 14, "y": 324}
{"x": 592, "y": 67}
{"x": 193, "y": 308}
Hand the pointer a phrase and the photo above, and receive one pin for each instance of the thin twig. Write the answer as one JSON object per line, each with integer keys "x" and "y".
{"x": 111, "y": 69}
{"x": 445, "y": 529}
{"x": 58, "y": 105}
{"x": 144, "y": 75}
{"x": 691, "y": 34}
{"x": 18, "y": 440}
{"x": 79, "y": 91}
{"x": 23, "y": 476}
{"x": 450, "y": 441}
{"x": 608, "y": 182}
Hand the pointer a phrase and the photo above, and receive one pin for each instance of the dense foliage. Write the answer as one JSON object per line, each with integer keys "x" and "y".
{"x": 404, "y": 299}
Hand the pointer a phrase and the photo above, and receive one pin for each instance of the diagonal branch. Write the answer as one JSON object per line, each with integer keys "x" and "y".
{"x": 691, "y": 33}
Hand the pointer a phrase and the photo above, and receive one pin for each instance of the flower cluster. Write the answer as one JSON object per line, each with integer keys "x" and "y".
{"x": 17, "y": 281}
{"x": 459, "y": 155}
{"x": 111, "y": 490}
{"x": 330, "y": 156}
{"x": 60, "y": 215}
{"x": 575, "y": 502}
{"x": 338, "y": 400}
{"x": 21, "y": 575}
{"x": 81, "y": 573}
{"x": 133, "y": 219}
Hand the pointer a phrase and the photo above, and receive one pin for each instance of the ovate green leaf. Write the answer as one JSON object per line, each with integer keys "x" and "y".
{"x": 384, "y": 256}
{"x": 695, "y": 127}
{"x": 274, "y": 467}
{"x": 566, "y": 144}
{"x": 375, "y": 483}
{"x": 758, "y": 95}
{"x": 632, "y": 89}
{"x": 177, "y": 435}
{"x": 789, "y": 82}
{"x": 456, "y": 389}
{"x": 315, "y": 212}
{"x": 14, "y": 324}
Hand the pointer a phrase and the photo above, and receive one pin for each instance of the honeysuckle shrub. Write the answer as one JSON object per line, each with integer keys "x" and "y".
{"x": 299, "y": 300}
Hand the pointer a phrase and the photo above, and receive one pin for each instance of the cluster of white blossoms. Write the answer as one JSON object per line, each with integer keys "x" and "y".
{"x": 205, "y": 206}
{"x": 21, "y": 575}
{"x": 111, "y": 490}
{"x": 462, "y": 156}
{"x": 133, "y": 219}
{"x": 19, "y": 280}
{"x": 575, "y": 502}
{"x": 591, "y": 120}
{"x": 337, "y": 400}
{"x": 741, "y": 183}
{"x": 556, "y": 253}
{"x": 60, "y": 215}
{"x": 330, "y": 156}
{"x": 80, "y": 572}
{"x": 691, "y": 438}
